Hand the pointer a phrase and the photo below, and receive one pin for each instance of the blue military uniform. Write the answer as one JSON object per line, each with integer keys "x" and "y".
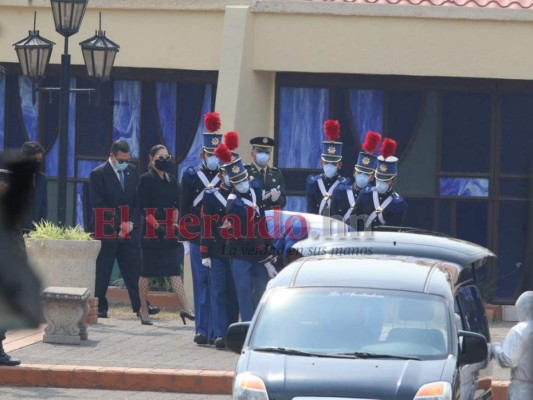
{"x": 320, "y": 191}
{"x": 194, "y": 183}
{"x": 320, "y": 188}
{"x": 345, "y": 195}
{"x": 382, "y": 209}
{"x": 387, "y": 208}
{"x": 248, "y": 250}
{"x": 222, "y": 290}
{"x": 344, "y": 200}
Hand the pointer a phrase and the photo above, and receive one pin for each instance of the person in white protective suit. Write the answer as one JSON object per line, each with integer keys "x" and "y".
{"x": 517, "y": 350}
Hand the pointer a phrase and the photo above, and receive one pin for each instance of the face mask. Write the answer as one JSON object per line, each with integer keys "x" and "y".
{"x": 226, "y": 181}
{"x": 330, "y": 170}
{"x": 121, "y": 166}
{"x": 242, "y": 187}
{"x": 361, "y": 180}
{"x": 382, "y": 187}
{"x": 212, "y": 163}
{"x": 262, "y": 158}
{"x": 163, "y": 165}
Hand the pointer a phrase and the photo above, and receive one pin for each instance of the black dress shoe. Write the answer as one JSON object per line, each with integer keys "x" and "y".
{"x": 102, "y": 314}
{"x": 220, "y": 343}
{"x": 153, "y": 310}
{"x": 7, "y": 360}
{"x": 200, "y": 338}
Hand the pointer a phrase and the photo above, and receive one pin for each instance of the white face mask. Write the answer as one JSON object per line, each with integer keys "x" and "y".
{"x": 212, "y": 163}
{"x": 121, "y": 166}
{"x": 330, "y": 170}
{"x": 242, "y": 187}
{"x": 226, "y": 181}
{"x": 362, "y": 180}
{"x": 262, "y": 158}
{"x": 382, "y": 187}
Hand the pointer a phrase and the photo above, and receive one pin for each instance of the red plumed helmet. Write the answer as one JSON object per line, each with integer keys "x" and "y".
{"x": 371, "y": 143}
{"x": 388, "y": 148}
{"x": 212, "y": 121}
{"x": 332, "y": 130}
{"x": 231, "y": 139}
{"x": 223, "y": 153}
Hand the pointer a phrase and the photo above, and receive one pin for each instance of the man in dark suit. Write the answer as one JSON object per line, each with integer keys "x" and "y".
{"x": 116, "y": 221}
{"x": 271, "y": 179}
{"x": 39, "y": 203}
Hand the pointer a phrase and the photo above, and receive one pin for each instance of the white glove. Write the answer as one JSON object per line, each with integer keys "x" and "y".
{"x": 275, "y": 194}
{"x": 206, "y": 262}
{"x": 271, "y": 270}
{"x": 265, "y": 194}
{"x": 186, "y": 248}
{"x": 494, "y": 347}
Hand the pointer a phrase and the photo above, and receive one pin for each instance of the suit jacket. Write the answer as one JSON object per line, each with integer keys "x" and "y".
{"x": 105, "y": 191}
{"x": 273, "y": 179}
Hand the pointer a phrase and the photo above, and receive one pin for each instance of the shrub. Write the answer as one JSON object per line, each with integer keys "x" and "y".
{"x": 49, "y": 230}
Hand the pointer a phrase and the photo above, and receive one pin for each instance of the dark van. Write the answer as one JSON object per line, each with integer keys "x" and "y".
{"x": 400, "y": 320}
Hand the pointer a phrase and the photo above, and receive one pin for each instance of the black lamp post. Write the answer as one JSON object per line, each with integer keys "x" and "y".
{"x": 34, "y": 54}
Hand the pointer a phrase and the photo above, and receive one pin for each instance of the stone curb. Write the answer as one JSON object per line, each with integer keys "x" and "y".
{"x": 138, "y": 379}
{"x": 499, "y": 390}
{"x": 118, "y": 378}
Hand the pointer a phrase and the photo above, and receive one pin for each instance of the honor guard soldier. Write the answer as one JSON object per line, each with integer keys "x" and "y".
{"x": 381, "y": 204}
{"x": 271, "y": 179}
{"x": 194, "y": 183}
{"x": 245, "y": 244}
{"x": 345, "y": 195}
{"x": 320, "y": 187}
{"x": 224, "y": 309}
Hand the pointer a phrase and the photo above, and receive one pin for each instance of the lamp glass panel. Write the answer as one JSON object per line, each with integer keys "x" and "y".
{"x": 109, "y": 63}
{"x": 33, "y": 62}
{"x": 23, "y": 60}
{"x": 88, "y": 59}
{"x": 43, "y": 61}
{"x": 99, "y": 63}
{"x": 77, "y": 15}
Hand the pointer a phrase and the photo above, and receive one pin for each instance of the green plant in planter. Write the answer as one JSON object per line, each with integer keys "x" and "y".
{"x": 49, "y": 230}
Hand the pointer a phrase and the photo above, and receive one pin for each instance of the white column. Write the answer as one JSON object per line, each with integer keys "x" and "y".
{"x": 245, "y": 97}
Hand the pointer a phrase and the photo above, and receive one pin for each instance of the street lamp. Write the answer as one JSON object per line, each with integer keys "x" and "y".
{"x": 34, "y": 54}
{"x": 99, "y": 55}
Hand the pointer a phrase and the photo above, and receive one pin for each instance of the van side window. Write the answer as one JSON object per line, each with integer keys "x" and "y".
{"x": 473, "y": 311}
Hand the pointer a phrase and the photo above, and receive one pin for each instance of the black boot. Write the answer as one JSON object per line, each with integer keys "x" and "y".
{"x": 6, "y": 359}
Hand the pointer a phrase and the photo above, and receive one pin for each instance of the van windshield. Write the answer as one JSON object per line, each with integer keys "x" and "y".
{"x": 353, "y": 321}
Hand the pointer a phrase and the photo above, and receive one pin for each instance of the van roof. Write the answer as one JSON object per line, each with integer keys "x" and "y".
{"x": 407, "y": 273}
{"x": 395, "y": 243}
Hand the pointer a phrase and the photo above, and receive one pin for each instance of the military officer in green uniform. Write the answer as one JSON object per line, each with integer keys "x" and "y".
{"x": 270, "y": 178}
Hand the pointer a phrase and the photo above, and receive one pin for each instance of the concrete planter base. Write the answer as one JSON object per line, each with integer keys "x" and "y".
{"x": 64, "y": 263}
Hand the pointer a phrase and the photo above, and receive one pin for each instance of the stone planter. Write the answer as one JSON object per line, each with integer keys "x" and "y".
{"x": 65, "y": 263}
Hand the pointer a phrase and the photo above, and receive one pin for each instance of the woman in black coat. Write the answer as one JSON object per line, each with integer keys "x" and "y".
{"x": 158, "y": 198}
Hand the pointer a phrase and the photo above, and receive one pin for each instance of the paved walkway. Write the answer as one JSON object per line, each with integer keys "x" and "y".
{"x": 128, "y": 351}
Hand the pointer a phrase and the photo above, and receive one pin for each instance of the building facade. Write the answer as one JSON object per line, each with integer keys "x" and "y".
{"x": 450, "y": 81}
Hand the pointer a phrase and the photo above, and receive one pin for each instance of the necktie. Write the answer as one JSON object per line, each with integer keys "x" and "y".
{"x": 262, "y": 172}
{"x": 121, "y": 178}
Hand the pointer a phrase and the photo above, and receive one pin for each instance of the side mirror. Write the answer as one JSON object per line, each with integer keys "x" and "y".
{"x": 474, "y": 348}
{"x": 236, "y": 335}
